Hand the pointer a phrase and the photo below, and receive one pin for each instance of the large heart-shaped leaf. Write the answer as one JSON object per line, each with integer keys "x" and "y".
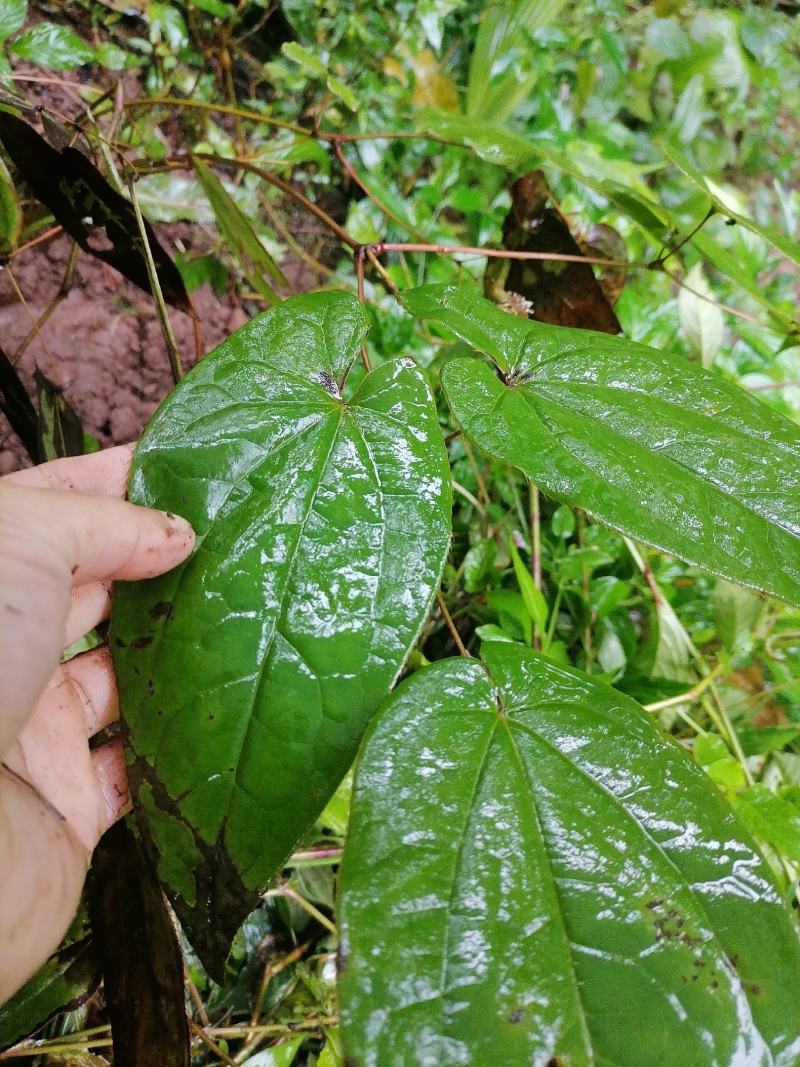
{"x": 535, "y": 874}
{"x": 247, "y": 675}
{"x": 648, "y": 443}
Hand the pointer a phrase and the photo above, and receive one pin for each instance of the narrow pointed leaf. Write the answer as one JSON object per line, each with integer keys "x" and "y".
{"x": 648, "y": 443}
{"x": 236, "y": 231}
{"x": 248, "y": 675}
{"x": 535, "y": 874}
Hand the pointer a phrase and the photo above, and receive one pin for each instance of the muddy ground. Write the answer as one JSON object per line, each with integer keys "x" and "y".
{"x": 103, "y": 342}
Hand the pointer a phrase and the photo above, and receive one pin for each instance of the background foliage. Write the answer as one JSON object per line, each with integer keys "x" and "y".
{"x": 591, "y": 92}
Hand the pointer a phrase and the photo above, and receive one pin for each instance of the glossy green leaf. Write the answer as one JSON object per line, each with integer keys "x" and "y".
{"x": 53, "y": 46}
{"x": 236, "y": 232}
{"x": 787, "y": 246}
{"x": 536, "y": 874}
{"x": 651, "y": 445}
{"x": 247, "y": 675}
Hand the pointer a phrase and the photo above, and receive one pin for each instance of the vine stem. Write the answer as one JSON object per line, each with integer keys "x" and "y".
{"x": 536, "y": 534}
{"x": 451, "y": 626}
{"x": 661, "y": 260}
{"x": 351, "y": 173}
{"x": 155, "y": 285}
{"x": 268, "y": 120}
{"x": 358, "y": 261}
{"x": 494, "y": 253}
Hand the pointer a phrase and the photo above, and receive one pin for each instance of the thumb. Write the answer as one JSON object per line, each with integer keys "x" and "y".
{"x": 51, "y": 540}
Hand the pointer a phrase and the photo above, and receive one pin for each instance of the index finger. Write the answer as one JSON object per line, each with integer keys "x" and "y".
{"x": 104, "y": 472}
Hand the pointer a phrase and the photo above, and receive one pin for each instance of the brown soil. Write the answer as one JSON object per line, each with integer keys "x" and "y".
{"x": 103, "y": 342}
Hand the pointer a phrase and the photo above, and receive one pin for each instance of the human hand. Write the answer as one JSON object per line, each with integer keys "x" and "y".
{"x": 65, "y": 536}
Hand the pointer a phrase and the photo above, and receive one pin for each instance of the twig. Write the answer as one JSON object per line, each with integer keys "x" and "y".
{"x": 208, "y": 1040}
{"x": 63, "y": 289}
{"x": 38, "y": 240}
{"x": 536, "y": 535}
{"x": 315, "y": 913}
{"x": 155, "y": 285}
{"x": 351, "y": 172}
{"x": 451, "y": 626}
{"x": 358, "y": 262}
{"x": 661, "y": 260}
{"x": 53, "y": 366}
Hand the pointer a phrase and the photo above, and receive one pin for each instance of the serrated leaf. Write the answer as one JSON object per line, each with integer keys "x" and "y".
{"x": 520, "y": 886}
{"x": 236, "y": 231}
{"x": 701, "y": 318}
{"x": 651, "y": 445}
{"x": 247, "y": 675}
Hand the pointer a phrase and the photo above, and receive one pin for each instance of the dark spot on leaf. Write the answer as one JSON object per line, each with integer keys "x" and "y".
{"x": 161, "y": 610}
{"x": 328, "y": 383}
{"x": 142, "y": 642}
{"x": 210, "y": 718}
{"x": 516, "y": 1016}
{"x": 755, "y": 989}
{"x": 120, "y": 643}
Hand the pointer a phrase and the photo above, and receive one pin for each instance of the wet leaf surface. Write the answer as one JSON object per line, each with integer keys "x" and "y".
{"x": 99, "y": 218}
{"x": 644, "y": 441}
{"x": 322, "y": 529}
{"x": 521, "y": 885}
